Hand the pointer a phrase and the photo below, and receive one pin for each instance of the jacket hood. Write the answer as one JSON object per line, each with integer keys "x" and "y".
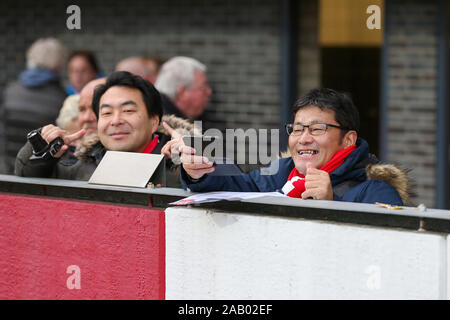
{"x": 182, "y": 126}
{"x": 33, "y": 78}
{"x": 395, "y": 176}
{"x": 360, "y": 165}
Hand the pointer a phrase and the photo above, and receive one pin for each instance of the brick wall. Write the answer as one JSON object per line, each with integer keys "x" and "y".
{"x": 239, "y": 41}
{"x": 308, "y": 47}
{"x": 411, "y": 94}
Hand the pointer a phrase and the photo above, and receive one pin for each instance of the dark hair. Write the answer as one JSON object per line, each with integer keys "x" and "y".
{"x": 150, "y": 95}
{"x": 89, "y": 56}
{"x": 346, "y": 113}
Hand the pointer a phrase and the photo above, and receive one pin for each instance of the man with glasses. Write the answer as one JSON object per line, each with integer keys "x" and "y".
{"x": 328, "y": 161}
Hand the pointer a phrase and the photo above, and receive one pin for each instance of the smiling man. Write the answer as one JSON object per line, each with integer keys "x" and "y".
{"x": 127, "y": 118}
{"x": 328, "y": 161}
{"x": 127, "y": 110}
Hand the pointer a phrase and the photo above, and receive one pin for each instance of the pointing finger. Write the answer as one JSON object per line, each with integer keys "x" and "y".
{"x": 186, "y": 149}
{"x": 74, "y": 136}
{"x": 170, "y": 130}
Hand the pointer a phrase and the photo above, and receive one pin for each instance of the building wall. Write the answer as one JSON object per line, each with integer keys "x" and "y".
{"x": 309, "y": 68}
{"x": 239, "y": 41}
{"x": 411, "y": 91}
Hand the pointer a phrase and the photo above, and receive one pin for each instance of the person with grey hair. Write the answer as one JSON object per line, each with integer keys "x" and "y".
{"x": 68, "y": 115}
{"x": 184, "y": 87}
{"x": 35, "y": 99}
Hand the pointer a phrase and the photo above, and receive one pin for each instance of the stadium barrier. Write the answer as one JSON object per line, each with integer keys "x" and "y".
{"x": 64, "y": 239}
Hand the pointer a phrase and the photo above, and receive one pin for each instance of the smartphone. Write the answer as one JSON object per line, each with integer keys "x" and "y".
{"x": 213, "y": 148}
{"x": 201, "y": 143}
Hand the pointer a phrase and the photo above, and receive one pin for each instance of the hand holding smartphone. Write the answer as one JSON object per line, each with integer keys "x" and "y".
{"x": 212, "y": 147}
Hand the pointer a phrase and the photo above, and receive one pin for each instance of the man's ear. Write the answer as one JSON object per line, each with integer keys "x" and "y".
{"x": 154, "y": 123}
{"x": 350, "y": 138}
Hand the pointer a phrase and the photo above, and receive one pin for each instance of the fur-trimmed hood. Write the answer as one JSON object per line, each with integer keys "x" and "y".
{"x": 182, "y": 126}
{"x": 395, "y": 176}
{"x": 374, "y": 170}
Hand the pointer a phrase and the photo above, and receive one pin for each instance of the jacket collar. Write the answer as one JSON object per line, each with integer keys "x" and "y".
{"x": 37, "y": 77}
{"x": 353, "y": 167}
{"x": 170, "y": 108}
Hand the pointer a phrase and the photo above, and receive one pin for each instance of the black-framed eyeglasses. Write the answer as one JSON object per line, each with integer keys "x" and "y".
{"x": 315, "y": 129}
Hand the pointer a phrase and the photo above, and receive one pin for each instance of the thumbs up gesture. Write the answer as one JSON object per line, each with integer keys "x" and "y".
{"x": 317, "y": 184}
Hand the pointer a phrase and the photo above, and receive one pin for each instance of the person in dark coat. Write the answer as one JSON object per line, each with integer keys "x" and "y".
{"x": 184, "y": 87}
{"x": 128, "y": 109}
{"x": 328, "y": 161}
{"x": 35, "y": 99}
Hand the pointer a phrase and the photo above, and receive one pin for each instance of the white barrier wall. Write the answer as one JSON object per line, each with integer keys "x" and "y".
{"x": 211, "y": 255}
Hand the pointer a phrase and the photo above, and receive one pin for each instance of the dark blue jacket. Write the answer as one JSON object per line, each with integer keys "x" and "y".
{"x": 353, "y": 169}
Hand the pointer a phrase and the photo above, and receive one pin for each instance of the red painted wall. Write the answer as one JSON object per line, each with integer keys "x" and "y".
{"x": 119, "y": 250}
